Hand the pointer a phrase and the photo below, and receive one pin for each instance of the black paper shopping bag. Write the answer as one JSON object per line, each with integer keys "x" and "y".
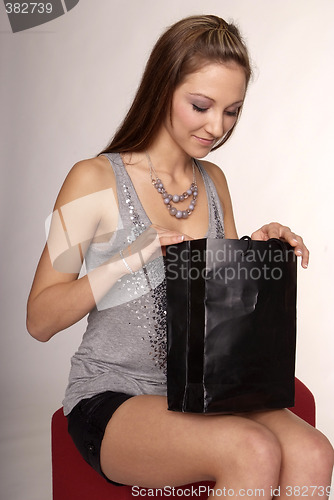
{"x": 231, "y": 314}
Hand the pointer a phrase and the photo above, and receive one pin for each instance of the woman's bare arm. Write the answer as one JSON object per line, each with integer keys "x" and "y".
{"x": 86, "y": 209}
{"x": 57, "y": 298}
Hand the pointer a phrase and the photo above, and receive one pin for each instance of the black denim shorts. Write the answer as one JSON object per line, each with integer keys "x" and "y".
{"x": 87, "y": 423}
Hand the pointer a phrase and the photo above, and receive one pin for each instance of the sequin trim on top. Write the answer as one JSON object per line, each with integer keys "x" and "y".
{"x": 153, "y": 331}
{"x": 159, "y": 337}
{"x": 218, "y": 225}
{"x": 154, "y": 323}
{"x": 139, "y": 226}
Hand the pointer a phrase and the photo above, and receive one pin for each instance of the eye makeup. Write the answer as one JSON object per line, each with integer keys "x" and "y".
{"x": 202, "y": 103}
{"x": 198, "y": 108}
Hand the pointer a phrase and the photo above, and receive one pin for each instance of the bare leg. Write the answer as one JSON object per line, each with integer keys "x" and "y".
{"x": 307, "y": 455}
{"x": 149, "y": 446}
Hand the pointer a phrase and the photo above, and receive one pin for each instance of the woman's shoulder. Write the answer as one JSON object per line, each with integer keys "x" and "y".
{"x": 92, "y": 173}
{"x": 216, "y": 174}
{"x": 87, "y": 176}
{"x": 219, "y": 180}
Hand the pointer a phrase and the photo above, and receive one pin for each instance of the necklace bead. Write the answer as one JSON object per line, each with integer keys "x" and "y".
{"x": 167, "y": 198}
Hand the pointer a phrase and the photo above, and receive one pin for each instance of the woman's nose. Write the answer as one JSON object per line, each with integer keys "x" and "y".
{"x": 215, "y": 126}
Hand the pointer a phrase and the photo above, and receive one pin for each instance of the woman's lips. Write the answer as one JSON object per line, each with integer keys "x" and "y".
{"x": 205, "y": 142}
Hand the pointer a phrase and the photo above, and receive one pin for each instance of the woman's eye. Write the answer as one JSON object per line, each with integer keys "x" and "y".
{"x": 232, "y": 113}
{"x": 197, "y": 108}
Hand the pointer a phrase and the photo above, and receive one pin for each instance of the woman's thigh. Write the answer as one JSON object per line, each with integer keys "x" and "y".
{"x": 145, "y": 444}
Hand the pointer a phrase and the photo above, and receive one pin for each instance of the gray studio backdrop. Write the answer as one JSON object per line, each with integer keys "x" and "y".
{"x": 65, "y": 85}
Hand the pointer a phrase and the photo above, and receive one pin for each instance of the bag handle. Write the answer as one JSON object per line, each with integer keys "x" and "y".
{"x": 249, "y": 240}
{"x": 249, "y": 243}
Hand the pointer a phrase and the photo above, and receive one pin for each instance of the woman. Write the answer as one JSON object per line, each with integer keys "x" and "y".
{"x": 115, "y": 210}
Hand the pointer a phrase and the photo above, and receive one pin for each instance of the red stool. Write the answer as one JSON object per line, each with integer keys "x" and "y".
{"x": 74, "y": 479}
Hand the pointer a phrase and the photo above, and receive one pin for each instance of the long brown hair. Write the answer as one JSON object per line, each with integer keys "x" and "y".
{"x": 182, "y": 49}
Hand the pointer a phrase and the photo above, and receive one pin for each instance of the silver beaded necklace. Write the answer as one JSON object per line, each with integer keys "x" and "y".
{"x": 176, "y": 198}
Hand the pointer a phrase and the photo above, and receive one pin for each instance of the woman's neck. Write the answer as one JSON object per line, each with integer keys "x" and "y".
{"x": 168, "y": 157}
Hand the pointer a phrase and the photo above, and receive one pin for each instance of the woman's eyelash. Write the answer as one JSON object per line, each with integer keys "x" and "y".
{"x": 197, "y": 108}
{"x": 232, "y": 113}
{"x": 228, "y": 113}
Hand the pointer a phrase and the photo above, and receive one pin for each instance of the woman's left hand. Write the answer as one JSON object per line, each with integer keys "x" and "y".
{"x": 276, "y": 230}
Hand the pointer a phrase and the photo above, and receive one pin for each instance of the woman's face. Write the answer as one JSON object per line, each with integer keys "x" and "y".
{"x": 205, "y": 106}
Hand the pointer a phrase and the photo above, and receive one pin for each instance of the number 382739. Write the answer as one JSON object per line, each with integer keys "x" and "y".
{"x": 28, "y": 8}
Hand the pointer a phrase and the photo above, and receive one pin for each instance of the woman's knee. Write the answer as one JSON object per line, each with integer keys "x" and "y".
{"x": 263, "y": 448}
{"x": 316, "y": 452}
{"x": 256, "y": 453}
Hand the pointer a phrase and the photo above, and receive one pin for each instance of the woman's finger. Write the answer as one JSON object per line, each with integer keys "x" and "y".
{"x": 276, "y": 230}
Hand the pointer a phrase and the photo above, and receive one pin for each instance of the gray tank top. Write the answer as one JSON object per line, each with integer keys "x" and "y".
{"x": 124, "y": 347}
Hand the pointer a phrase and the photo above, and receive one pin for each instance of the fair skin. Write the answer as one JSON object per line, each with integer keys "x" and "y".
{"x": 144, "y": 443}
